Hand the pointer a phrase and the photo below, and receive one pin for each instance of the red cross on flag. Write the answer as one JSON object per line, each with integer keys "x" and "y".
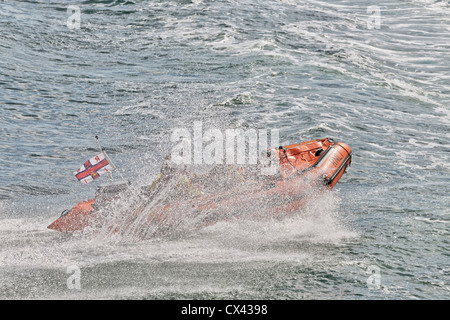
{"x": 93, "y": 168}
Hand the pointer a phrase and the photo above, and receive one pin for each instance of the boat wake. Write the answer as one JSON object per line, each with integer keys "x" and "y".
{"x": 317, "y": 221}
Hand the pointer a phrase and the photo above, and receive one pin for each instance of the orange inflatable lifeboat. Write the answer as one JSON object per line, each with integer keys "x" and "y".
{"x": 287, "y": 177}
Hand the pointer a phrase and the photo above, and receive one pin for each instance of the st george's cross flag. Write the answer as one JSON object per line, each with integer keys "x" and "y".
{"x": 93, "y": 168}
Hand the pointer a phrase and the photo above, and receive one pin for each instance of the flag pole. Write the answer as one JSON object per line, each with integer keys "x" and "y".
{"x": 107, "y": 158}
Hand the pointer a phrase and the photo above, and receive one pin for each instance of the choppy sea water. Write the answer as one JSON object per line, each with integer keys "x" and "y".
{"x": 374, "y": 75}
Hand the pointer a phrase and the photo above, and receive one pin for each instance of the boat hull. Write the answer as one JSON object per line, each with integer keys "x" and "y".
{"x": 302, "y": 170}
